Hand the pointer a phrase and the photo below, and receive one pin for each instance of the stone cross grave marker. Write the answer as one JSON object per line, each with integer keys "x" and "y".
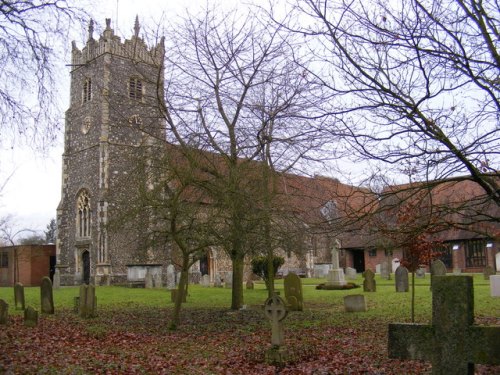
{"x": 19, "y": 300}
{"x": 30, "y": 317}
{"x": 452, "y": 343}
{"x": 369, "y": 284}
{"x": 293, "y": 292}
{"x": 4, "y": 312}
{"x": 87, "y": 301}
{"x": 401, "y": 276}
{"x": 275, "y": 310}
{"x": 437, "y": 269}
{"x": 46, "y": 296}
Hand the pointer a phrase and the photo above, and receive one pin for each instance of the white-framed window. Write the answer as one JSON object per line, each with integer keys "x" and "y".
{"x": 135, "y": 88}
{"x": 87, "y": 90}
{"x": 83, "y": 218}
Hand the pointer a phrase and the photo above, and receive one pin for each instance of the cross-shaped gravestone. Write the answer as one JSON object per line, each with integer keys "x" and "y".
{"x": 275, "y": 310}
{"x": 452, "y": 343}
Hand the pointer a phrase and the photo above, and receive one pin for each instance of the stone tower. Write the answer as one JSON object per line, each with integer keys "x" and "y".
{"x": 113, "y": 120}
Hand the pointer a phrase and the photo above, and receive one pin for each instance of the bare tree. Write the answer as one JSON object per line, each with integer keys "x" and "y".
{"x": 415, "y": 84}
{"x": 235, "y": 92}
{"x": 30, "y": 32}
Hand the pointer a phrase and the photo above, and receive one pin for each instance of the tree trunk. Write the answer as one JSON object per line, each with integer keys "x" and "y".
{"x": 237, "y": 291}
{"x": 413, "y": 297}
{"x": 181, "y": 291}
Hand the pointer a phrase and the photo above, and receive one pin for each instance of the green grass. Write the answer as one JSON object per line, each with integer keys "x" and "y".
{"x": 384, "y": 303}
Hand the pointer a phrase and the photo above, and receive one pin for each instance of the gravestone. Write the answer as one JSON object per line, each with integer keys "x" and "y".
{"x": 420, "y": 273}
{"x": 350, "y": 273}
{"x": 87, "y": 301}
{"x": 384, "y": 271}
{"x": 4, "y": 312}
{"x": 46, "y": 296}
{"x": 205, "y": 280}
{"x": 250, "y": 285}
{"x": 275, "y": 310}
{"x": 30, "y": 317}
{"x": 437, "y": 269}
{"x": 377, "y": 268}
{"x": 495, "y": 285}
{"x": 401, "y": 276}
{"x": 19, "y": 300}
{"x": 457, "y": 271}
{"x": 177, "y": 279}
{"x": 228, "y": 280}
{"x": 148, "y": 280}
{"x": 487, "y": 272}
{"x": 336, "y": 274}
{"x": 157, "y": 282}
{"x": 369, "y": 284}
{"x": 452, "y": 343}
{"x": 293, "y": 292}
{"x": 170, "y": 276}
{"x": 217, "y": 281}
{"x": 57, "y": 278}
{"x": 355, "y": 303}
{"x": 497, "y": 260}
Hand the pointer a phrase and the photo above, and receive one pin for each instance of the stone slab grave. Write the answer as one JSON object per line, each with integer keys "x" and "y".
{"x": 275, "y": 310}
{"x": 46, "y": 296}
{"x": 401, "y": 276}
{"x": 369, "y": 284}
{"x": 30, "y": 317}
{"x": 19, "y": 300}
{"x": 4, "y": 312}
{"x": 452, "y": 343}
{"x": 293, "y": 292}
{"x": 355, "y": 303}
{"x": 351, "y": 273}
{"x": 420, "y": 273}
{"x": 437, "y": 269}
{"x": 87, "y": 301}
{"x": 495, "y": 285}
{"x": 170, "y": 276}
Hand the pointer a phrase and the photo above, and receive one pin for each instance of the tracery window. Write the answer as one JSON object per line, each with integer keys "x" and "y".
{"x": 83, "y": 215}
{"x": 87, "y": 90}
{"x": 135, "y": 88}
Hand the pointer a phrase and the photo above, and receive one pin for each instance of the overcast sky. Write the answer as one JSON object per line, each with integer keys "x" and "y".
{"x": 33, "y": 190}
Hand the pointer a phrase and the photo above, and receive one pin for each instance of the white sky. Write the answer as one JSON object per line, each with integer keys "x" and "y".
{"x": 33, "y": 191}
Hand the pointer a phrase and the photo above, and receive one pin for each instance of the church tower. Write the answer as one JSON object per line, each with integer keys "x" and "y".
{"x": 114, "y": 117}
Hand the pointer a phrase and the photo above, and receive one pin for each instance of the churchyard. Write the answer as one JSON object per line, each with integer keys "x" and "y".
{"x": 127, "y": 332}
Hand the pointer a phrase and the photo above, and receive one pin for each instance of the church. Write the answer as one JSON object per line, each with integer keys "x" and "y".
{"x": 113, "y": 117}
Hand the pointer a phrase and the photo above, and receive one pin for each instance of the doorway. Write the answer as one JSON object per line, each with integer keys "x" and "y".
{"x": 358, "y": 260}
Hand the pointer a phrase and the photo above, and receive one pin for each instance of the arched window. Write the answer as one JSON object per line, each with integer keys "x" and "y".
{"x": 83, "y": 215}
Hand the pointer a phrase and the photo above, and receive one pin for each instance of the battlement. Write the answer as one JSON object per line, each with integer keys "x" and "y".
{"x": 134, "y": 48}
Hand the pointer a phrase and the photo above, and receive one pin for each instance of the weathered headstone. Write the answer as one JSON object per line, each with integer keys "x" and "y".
{"x": 157, "y": 281}
{"x": 457, "y": 271}
{"x": 250, "y": 285}
{"x": 395, "y": 264}
{"x": 148, "y": 280}
{"x": 487, "y": 272}
{"x": 452, "y": 343}
{"x": 177, "y": 279}
{"x": 369, "y": 284}
{"x": 30, "y": 317}
{"x": 293, "y": 292}
{"x": 355, "y": 303}
{"x": 228, "y": 280}
{"x": 420, "y": 273}
{"x": 57, "y": 278}
{"x": 437, "y": 269}
{"x": 275, "y": 310}
{"x": 46, "y": 296}
{"x": 217, "y": 281}
{"x": 87, "y": 301}
{"x": 4, "y": 312}
{"x": 401, "y": 276}
{"x": 495, "y": 285}
{"x": 205, "y": 280}
{"x": 384, "y": 271}
{"x": 350, "y": 273}
{"x": 19, "y": 300}
{"x": 170, "y": 276}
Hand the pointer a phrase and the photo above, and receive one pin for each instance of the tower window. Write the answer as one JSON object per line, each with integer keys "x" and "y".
{"x": 87, "y": 90}
{"x": 83, "y": 215}
{"x": 135, "y": 89}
